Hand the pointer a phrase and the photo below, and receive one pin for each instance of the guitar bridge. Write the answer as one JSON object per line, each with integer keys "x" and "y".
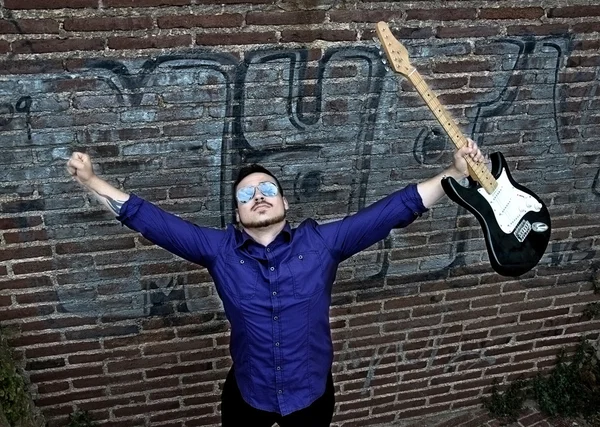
{"x": 522, "y": 230}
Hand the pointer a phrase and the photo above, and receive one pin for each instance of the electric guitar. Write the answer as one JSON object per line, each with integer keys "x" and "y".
{"x": 515, "y": 222}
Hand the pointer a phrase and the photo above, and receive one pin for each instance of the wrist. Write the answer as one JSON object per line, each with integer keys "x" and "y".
{"x": 92, "y": 182}
{"x": 455, "y": 173}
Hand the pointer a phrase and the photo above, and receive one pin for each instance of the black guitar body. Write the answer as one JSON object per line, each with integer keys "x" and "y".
{"x": 517, "y": 251}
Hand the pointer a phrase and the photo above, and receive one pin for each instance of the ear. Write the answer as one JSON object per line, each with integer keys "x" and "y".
{"x": 285, "y": 204}
{"x": 237, "y": 216}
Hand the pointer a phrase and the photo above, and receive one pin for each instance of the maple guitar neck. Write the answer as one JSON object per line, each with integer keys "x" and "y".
{"x": 478, "y": 171}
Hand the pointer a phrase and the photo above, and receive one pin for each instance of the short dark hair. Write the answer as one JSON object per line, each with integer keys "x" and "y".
{"x": 249, "y": 170}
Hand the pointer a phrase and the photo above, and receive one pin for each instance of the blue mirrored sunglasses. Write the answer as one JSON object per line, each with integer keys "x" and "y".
{"x": 268, "y": 189}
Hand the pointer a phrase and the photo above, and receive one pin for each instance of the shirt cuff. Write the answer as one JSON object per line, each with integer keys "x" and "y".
{"x": 413, "y": 200}
{"x": 130, "y": 208}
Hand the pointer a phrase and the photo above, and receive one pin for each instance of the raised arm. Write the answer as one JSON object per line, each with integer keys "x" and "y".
{"x": 178, "y": 236}
{"x": 80, "y": 168}
{"x": 431, "y": 189}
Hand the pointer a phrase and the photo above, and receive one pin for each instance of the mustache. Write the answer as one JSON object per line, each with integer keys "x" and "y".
{"x": 262, "y": 203}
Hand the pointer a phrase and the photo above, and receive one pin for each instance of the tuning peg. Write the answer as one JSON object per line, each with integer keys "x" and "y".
{"x": 384, "y": 61}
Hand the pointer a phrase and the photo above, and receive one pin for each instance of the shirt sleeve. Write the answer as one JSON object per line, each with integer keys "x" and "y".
{"x": 180, "y": 237}
{"x": 357, "y": 232}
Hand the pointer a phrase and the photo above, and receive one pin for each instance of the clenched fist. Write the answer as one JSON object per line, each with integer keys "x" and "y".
{"x": 79, "y": 167}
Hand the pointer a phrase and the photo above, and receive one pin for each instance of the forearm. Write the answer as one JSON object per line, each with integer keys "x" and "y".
{"x": 108, "y": 195}
{"x": 431, "y": 189}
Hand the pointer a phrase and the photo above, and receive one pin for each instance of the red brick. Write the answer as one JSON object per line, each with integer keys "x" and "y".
{"x": 285, "y": 18}
{"x": 54, "y": 4}
{"x": 473, "y": 31}
{"x": 28, "y": 340}
{"x": 361, "y": 16}
{"x": 104, "y": 355}
{"x": 4, "y": 46}
{"x": 585, "y": 27}
{"x": 510, "y": 368}
{"x": 54, "y": 350}
{"x": 153, "y": 42}
{"x": 511, "y": 13}
{"x": 33, "y": 267}
{"x": 56, "y": 45}
{"x": 26, "y": 236}
{"x": 237, "y": 38}
{"x": 142, "y": 385}
{"x": 537, "y": 30}
{"x": 28, "y": 252}
{"x": 139, "y": 339}
{"x": 5, "y": 300}
{"x": 30, "y": 67}
{"x": 146, "y": 408}
{"x": 181, "y": 346}
{"x": 441, "y": 14}
{"x": 404, "y": 32}
{"x": 141, "y": 363}
{"x": 212, "y": 2}
{"x": 226, "y": 20}
{"x": 37, "y": 297}
{"x": 28, "y": 26}
{"x": 581, "y": 11}
{"x": 68, "y": 397}
{"x": 307, "y": 36}
{"x": 53, "y": 387}
{"x": 57, "y": 323}
{"x": 19, "y": 222}
{"x": 22, "y": 313}
{"x": 144, "y": 3}
{"x": 108, "y": 24}
{"x": 108, "y": 403}
{"x": 95, "y": 245}
{"x": 470, "y": 314}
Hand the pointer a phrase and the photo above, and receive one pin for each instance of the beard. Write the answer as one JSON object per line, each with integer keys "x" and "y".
{"x": 263, "y": 223}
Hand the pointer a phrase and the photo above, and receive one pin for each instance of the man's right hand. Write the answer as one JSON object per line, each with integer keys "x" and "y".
{"x": 79, "y": 167}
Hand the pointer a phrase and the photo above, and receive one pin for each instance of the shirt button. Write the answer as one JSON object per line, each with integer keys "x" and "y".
{"x": 275, "y": 318}
{"x": 274, "y": 293}
{"x": 280, "y": 391}
{"x": 300, "y": 257}
{"x": 241, "y": 261}
{"x": 279, "y": 368}
{"x": 277, "y": 344}
{"x": 268, "y": 249}
{"x": 272, "y": 269}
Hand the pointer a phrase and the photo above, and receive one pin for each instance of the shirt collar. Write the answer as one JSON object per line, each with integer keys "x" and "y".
{"x": 285, "y": 235}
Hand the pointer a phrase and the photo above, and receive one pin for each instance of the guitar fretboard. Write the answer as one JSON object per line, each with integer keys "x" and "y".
{"x": 478, "y": 171}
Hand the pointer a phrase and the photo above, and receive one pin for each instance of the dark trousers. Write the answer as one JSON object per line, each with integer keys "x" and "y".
{"x": 235, "y": 412}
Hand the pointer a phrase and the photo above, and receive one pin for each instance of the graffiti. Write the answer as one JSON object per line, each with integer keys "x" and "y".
{"x": 565, "y": 252}
{"x": 332, "y": 141}
{"x": 8, "y": 112}
{"x": 423, "y": 359}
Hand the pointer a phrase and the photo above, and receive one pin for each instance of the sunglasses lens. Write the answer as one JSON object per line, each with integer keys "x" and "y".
{"x": 244, "y": 195}
{"x": 268, "y": 189}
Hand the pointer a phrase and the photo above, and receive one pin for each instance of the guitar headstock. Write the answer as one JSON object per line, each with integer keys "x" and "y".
{"x": 396, "y": 53}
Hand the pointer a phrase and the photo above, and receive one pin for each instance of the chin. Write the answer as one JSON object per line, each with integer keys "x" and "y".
{"x": 263, "y": 222}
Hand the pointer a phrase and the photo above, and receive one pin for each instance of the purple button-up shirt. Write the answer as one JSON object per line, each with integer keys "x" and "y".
{"x": 277, "y": 297}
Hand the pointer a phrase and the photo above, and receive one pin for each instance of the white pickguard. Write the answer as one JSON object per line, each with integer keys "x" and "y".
{"x": 509, "y": 203}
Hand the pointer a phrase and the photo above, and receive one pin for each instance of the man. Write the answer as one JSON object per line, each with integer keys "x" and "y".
{"x": 275, "y": 283}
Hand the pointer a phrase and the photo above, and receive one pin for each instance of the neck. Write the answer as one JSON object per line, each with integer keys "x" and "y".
{"x": 265, "y": 235}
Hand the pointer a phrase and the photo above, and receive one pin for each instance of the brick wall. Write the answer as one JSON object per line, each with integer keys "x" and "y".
{"x": 171, "y": 96}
